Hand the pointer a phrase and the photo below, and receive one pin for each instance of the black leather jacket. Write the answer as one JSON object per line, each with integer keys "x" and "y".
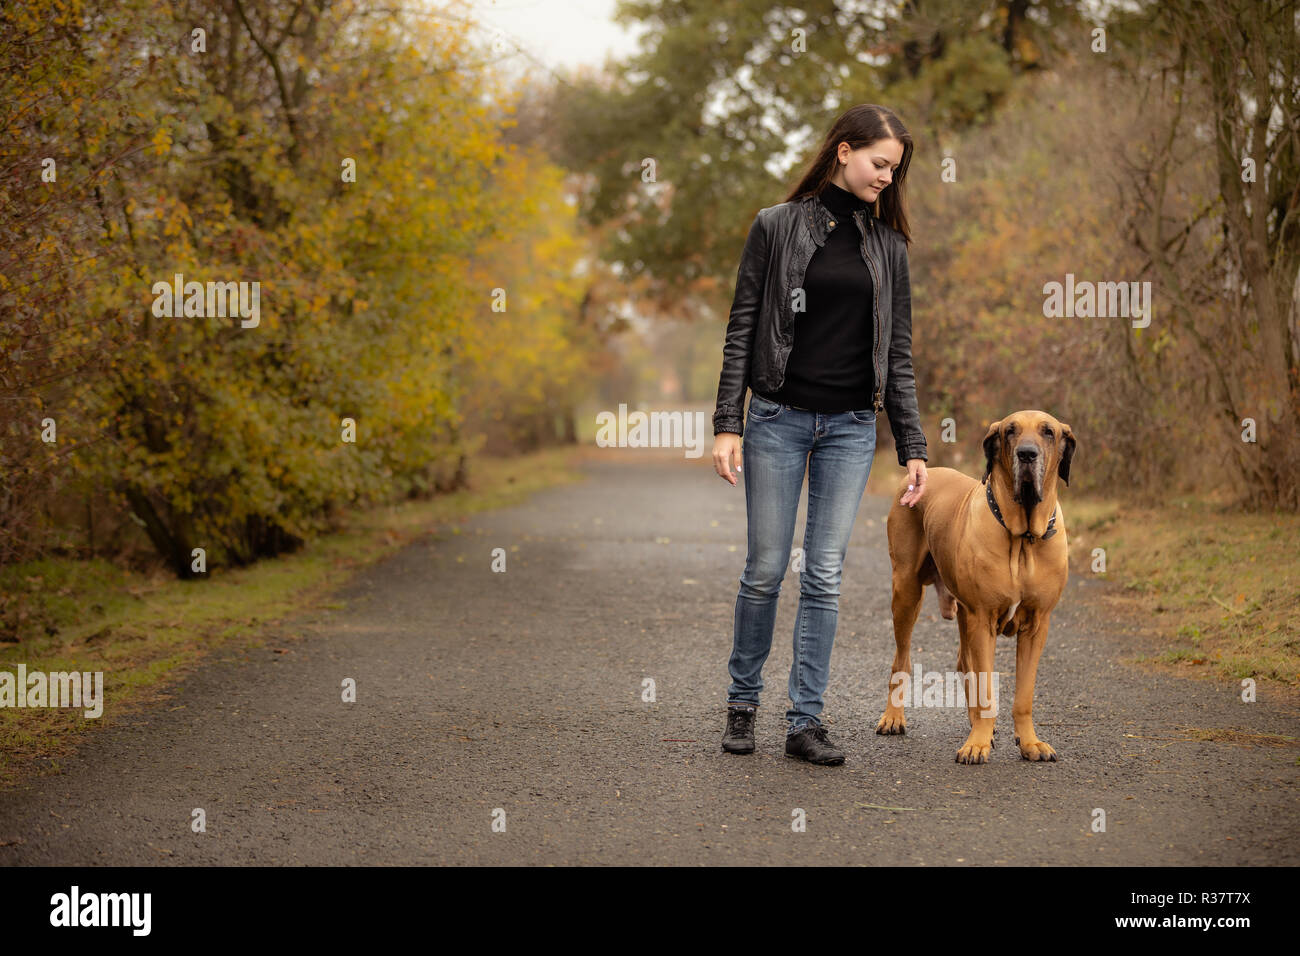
{"x": 759, "y": 338}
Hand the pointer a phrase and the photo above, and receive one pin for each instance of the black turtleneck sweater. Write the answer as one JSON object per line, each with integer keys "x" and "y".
{"x": 829, "y": 368}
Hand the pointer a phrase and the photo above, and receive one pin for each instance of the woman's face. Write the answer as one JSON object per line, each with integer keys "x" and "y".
{"x": 869, "y": 170}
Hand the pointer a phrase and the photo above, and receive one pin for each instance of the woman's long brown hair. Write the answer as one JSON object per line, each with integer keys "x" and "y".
{"x": 861, "y": 126}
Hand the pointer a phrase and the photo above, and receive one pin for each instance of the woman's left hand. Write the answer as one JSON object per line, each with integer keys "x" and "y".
{"x": 915, "y": 482}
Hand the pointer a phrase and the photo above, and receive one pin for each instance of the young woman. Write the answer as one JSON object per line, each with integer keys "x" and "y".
{"x": 821, "y": 332}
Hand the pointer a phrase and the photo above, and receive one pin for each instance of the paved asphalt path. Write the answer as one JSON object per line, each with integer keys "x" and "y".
{"x": 523, "y": 691}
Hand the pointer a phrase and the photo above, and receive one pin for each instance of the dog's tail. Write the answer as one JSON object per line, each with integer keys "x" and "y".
{"x": 947, "y": 603}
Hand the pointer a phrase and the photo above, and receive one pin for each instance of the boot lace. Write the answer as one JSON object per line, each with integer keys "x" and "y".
{"x": 740, "y": 721}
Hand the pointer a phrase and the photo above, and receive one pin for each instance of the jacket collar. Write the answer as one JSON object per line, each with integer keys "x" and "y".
{"x": 818, "y": 218}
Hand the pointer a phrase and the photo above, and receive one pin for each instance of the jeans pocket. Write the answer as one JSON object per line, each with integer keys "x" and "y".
{"x": 762, "y": 410}
{"x": 866, "y": 416}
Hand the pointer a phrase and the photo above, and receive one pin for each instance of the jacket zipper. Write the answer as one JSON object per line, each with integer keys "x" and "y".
{"x": 875, "y": 310}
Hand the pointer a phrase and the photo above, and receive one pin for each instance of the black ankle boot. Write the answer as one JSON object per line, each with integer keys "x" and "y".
{"x": 738, "y": 738}
{"x": 812, "y": 744}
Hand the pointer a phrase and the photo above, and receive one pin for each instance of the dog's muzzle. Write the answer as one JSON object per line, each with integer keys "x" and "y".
{"x": 1028, "y": 474}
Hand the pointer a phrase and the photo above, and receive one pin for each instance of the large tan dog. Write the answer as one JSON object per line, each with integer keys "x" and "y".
{"x": 997, "y": 562}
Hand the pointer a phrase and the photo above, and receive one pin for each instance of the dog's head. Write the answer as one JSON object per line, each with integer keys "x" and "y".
{"x": 1033, "y": 449}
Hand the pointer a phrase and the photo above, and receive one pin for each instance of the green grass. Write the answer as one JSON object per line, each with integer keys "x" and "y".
{"x": 1220, "y": 586}
{"x": 146, "y": 631}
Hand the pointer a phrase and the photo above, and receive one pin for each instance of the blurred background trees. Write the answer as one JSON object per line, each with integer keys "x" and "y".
{"x": 214, "y": 140}
{"x": 512, "y": 253}
{"x": 1112, "y": 145}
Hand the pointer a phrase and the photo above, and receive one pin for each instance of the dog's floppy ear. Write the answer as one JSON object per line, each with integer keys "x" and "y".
{"x": 991, "y": 442}
{"x": 1063, "y": 468}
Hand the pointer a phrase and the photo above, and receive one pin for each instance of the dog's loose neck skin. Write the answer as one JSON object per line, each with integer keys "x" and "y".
{"x": 1027, "y": 514}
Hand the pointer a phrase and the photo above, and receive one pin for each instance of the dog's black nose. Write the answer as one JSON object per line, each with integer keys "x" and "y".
{"x": 1027, "y": 453}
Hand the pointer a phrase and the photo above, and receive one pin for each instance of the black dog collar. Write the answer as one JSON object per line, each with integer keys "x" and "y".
{"x": 1028, "y": 535}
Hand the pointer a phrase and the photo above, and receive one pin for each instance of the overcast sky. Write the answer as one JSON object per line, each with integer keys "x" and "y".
{"x": 559, "y": 33}
{"x": 571, "y": 32}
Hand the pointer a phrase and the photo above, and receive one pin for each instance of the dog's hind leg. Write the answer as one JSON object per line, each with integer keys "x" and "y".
{"x": 909, "y": 557}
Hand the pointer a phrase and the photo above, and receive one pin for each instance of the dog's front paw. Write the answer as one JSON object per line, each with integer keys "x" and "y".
{"x": 975, "y": 751}
{"x": 1036, "y": 750}
{"x": 892, "y": 722}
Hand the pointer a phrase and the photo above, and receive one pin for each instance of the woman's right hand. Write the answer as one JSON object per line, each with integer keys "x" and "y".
{"x": 725, "y": 445}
